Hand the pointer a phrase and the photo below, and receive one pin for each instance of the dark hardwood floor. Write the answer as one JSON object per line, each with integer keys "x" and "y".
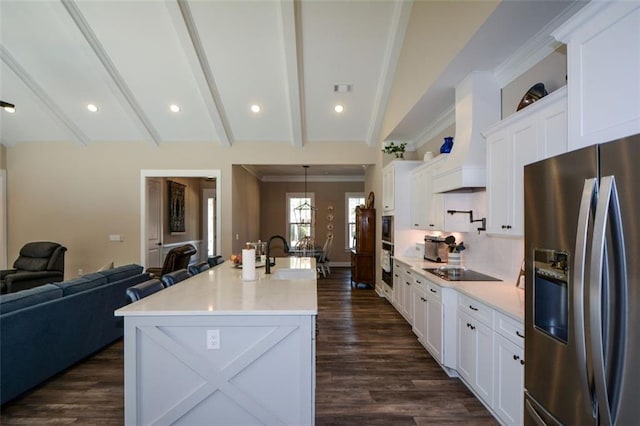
{"x": 371, "y": 370}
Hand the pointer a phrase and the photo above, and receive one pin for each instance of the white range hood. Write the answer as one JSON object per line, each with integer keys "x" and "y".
{"x": 477, "y": 107}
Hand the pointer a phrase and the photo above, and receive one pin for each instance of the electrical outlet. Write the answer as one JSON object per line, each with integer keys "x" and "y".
{"x": 213, "y": 339}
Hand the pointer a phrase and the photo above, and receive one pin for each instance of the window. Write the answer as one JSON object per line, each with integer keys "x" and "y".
{"x": 352, "y": 200}
{"x": 300, "y": 217}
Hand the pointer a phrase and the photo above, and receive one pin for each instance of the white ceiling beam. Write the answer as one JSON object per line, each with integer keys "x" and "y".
{"x": 189, "y": 37}
{"x": 399, "y": 23}
{"x": 122, "y": 92}
{"x": 292, "y": 42}
{"x": 51, "y": 106}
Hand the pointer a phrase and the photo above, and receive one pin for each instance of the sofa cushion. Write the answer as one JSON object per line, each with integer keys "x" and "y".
{"x": 83, "y": 283}
{"x": 120, "y": 272}
{"x": 33, "y": 296}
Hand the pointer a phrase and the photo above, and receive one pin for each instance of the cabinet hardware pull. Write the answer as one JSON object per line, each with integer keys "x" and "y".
{"x": 432, "y": 290}
{"x": 473, "y": 328}
{"x": 472, "y": 308}
{"x": 516, "y": 357}
{"x": 519, "y": 335}
{"x": 522, "y": 362}
{"x": 468, "y": 325}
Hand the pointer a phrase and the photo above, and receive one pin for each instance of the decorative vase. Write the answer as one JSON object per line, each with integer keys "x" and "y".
{"x": 447, "y": 145}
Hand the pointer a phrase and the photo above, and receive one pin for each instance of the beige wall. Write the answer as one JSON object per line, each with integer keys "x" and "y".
{"x": 273, "y": 210}
{"x": 246, "y": 208}
{"x": 3, "y": 155}
{"x": 552, "y": 71}
{"x": 80, "y": 195}
{"x": 437, "y": 31}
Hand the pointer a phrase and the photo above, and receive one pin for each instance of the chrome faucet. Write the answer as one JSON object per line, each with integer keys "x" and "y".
{"x": 286, "y": 250}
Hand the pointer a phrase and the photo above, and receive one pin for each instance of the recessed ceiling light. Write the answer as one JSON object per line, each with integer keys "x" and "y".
{"x": 338, "y": 108}
{"x": 7, "y": 106}
{"x": 174, "y": 108}
{"x": 255, "y": 108}
{"x": 92, "y": 108}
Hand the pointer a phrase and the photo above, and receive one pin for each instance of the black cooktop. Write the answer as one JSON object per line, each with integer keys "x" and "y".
{"x": 459, "y": 274}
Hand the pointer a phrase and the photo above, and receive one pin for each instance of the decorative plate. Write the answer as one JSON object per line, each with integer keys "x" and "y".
{"x": 330, "y": 208}
{"x": 536, "y": 92}
{"x": 330, "y": 217}
{"x": 330, "y": 227}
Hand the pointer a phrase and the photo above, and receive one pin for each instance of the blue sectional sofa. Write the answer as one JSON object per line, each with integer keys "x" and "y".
{"x": 46, "y": 329}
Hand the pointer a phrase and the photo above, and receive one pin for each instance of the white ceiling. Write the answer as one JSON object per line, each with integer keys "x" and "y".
{"x": 213, "y": 58}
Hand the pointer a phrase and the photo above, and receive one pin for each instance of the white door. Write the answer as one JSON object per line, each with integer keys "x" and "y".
{"x": 209, "y": 222}
{"x": 154, "y": 223}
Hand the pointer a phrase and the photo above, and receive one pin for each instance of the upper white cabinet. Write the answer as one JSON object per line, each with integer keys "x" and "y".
{"x": 537, "y": 132}
{"x": 603, "y": 62}
{"x": 396, "y": 183}
{"x": 428, "y": 209}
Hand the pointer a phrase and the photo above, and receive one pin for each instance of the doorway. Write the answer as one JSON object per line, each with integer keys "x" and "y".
{"x": 147, "y": 175}
{"x": 3, "y": 219}
{"x": 209, "y": 220}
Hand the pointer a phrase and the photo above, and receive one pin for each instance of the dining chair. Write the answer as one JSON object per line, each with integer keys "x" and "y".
{"x": 322, "y": 261}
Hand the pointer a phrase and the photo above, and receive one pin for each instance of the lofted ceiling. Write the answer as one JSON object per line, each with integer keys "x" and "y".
{"x": 213, "y": 59}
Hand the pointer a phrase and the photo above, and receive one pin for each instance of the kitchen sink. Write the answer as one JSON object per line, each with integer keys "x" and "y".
{"x": 294, "y": 274}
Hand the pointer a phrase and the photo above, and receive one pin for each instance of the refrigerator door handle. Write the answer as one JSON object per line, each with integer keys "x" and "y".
{"x": 587, "y": 204}
{"x": 607, "y": 203}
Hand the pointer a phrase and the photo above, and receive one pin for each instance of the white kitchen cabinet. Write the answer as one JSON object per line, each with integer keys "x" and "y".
{"x": 419, "y": 308}
{"x": 537, "y": 132}
{"x": 509, "y": 370}
{"x": 603, "y": 60}
{"x": 396, "y": 192}
{"x": 398, "y": 286}
{"x": 388, "y": 192}
{"x": 428, "y": 209}
{"x": 434, "y": 327}
{"x": 407, "y": 293}
{"x": 475, "y": 347}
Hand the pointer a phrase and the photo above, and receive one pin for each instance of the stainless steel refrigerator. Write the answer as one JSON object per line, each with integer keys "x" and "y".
{"x": 582, "y": 294}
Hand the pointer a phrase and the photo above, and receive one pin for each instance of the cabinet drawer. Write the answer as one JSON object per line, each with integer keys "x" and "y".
{"x": 434, "y": 291}
{"x": 510, "y": 329}
{"x": 419, "y": 282}
{"x": 476, "y": 309}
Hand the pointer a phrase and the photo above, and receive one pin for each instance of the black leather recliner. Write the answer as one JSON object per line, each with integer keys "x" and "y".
{"x": 39, "y": 263}
{"x": 177, "y": 258}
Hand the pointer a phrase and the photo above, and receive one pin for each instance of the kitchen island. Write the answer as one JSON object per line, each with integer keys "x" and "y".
{"x": 217, "y": 350}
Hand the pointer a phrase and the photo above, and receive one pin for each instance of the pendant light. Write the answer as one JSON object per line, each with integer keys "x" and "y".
{"x": 305, "y": 212}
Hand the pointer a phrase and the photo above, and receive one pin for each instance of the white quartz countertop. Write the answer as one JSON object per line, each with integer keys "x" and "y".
{"x": 221, "y": 291}
{"x": 502, "y": 296}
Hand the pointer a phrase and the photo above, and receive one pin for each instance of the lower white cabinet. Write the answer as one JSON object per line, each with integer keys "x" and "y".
{"x": 398, "y": 288}
{"x": 509, "y": 370}
{"x": 433, "y": 336}
{"x": 419, "y": 308}
{"x": 407, "y": 292}
{"x": 475, "y": 355}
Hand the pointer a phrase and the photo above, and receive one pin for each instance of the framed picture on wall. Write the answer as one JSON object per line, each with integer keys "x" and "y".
{"x": 176, "y": 206}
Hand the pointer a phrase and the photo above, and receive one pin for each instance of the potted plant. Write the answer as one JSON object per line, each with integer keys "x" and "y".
{"x": 397, "y": 150}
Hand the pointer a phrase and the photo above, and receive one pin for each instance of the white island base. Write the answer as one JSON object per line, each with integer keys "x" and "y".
{"x": 243, "y": 353}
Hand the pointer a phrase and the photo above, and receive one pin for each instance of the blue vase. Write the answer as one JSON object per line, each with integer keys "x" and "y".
{"x": 447, "y": 145}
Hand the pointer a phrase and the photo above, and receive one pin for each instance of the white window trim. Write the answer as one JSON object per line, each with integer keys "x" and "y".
{"x": 289, "y": 195}
{"x": 347, "y": 196}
